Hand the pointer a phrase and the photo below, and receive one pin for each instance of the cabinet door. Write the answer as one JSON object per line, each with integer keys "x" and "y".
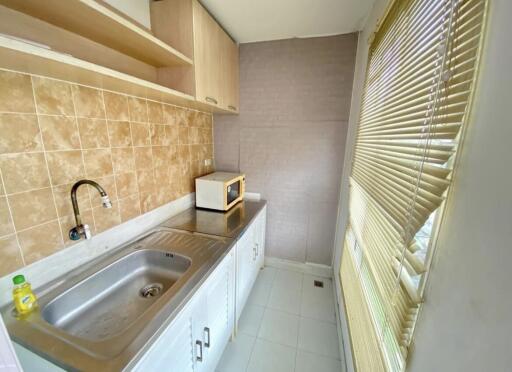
{"x": 174, "y": 350}
{"x": 219, "y": 309}
{"x": 259, "y": 237}
{"x": 230, "y": 74}
{"x": 207, "y": 56}
{"x": 245, "y": 268}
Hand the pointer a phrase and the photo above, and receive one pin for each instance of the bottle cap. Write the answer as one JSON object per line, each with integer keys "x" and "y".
{"x": 18, "y": 279}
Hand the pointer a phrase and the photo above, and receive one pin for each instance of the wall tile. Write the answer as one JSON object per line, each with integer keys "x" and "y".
{"x": 93, "y": 133}
{"x": 129, "y": 207}
{"x": 88, "y": 102}
{"x": 126, "y": 184}
{"x": 32, "y": 208}
{"x": 11, "y": 255}
{"x": 40, "y": 241}
{"x": 119, "y": 132}
{"x": 16, "y": 93}
{"x": 122, "y": 159}
{"x": 53, "y": 96}
{"x": 98, "y": 162}
{"x": 160, "y": 154}
{"x": 172, "y": 134}
{"x": 155, "y": 112}
{"x": 158, "y": 135}
{"x": 65, "y": 166}
{"x": 183, "y": 136}
{"x": 20, "y": 133}
{"x": 147, "y": 201}
{"x": 22, "y": 172}
{"x": 146, "y": 180}
{"x": 106, "y": 218}
{"x": 181, "y": 117}
{"x": 141, "y": 134}
{"x": 116, "y": 106}
{"x": 143, "y": 158}
{"x": 138, "y": 109}
{"x": 59, "y": 132}
{"x": 169, "y": 115}
{"x": 6, "y": 226}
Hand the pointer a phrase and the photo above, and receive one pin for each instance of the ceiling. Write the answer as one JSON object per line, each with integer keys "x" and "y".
{"x": 260, "y": 20}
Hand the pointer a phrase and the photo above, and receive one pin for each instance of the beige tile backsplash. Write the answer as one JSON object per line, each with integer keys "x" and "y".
{"x": 53, "y": 133}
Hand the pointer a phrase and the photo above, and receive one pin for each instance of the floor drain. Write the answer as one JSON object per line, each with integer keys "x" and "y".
{"x": 318, "y": 283}
{"x": 151, "y": 290}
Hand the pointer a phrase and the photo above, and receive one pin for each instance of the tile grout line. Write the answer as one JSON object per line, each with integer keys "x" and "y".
{"x": 134, "y": 162}
{"x": 111, "y": 158}
{"x": 45, "y": 160}
{"x": 82, "y": 154}
{"x": 15, "y": 233}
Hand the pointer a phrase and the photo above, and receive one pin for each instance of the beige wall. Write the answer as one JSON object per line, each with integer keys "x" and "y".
{"x": 465, "y": 322}
{"x": 53, "y": 133}
{"x": 290, "y": 136}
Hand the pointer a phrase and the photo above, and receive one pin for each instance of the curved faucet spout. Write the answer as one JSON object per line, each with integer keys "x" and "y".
{"x": 81, "y": 230}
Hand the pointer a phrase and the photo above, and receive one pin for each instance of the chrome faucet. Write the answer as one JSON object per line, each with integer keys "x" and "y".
{"x": 81, "y": 230}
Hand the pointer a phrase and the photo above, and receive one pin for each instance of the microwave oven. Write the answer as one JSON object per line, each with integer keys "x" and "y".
{"x": 219, "y": 190}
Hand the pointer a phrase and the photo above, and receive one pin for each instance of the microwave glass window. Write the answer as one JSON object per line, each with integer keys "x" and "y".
{"x": 233, "y": 191}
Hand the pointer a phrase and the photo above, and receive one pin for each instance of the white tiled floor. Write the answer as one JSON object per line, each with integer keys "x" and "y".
{"x": 288, "y": 325}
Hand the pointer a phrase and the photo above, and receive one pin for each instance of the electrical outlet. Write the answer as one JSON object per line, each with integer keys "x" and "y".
{"x": 207, "y": 162}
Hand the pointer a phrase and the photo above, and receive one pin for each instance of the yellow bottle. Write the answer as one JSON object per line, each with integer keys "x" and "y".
{"x": 24, "y": 299}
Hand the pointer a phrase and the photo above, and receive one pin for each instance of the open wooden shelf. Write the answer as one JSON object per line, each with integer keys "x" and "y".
{"x": 98, "y": 22}
{"x": 27, "y": 58}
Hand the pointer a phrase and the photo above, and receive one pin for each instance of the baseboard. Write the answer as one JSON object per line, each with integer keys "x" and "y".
{"x": 308, "y": 267}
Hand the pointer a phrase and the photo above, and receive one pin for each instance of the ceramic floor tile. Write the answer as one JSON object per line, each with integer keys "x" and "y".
{"x": 288, "y": 280}
{"x": 260, "y": 294}
{"x": 318, "y": 337}
{"x": 317, "y": 302}
{"x": 237, "y": 354}
{"x": 283, "y": 299}
{"x": 309, "y": 362}
{"x": 279, "y": 327}
{"x": 250, "y": 320}
{"x": 267, "y": 275}
{"x": 270, "y": 357}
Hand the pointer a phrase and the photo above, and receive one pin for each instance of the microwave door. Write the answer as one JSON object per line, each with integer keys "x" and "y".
{"x": 233, "y": 192}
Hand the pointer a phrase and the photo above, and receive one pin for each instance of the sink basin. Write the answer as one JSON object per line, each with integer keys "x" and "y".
{"x": 107, "y": 302}
{"x": 105, "y": 315}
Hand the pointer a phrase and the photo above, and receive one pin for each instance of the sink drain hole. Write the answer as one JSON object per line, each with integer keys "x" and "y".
{"x": 151, "y": 290}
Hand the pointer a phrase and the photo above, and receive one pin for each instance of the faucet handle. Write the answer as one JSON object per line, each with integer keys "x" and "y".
{"x": 87, "y": 232}
{"x": 78, "y": 231}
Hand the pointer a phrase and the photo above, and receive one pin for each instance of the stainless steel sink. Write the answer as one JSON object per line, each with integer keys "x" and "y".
{"x": 110, "y": 300}
{"x": 105, "y": 316}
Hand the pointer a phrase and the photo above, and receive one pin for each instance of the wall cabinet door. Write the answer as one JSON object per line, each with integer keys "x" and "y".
{"x": 230, "y": 74}
{"x": 207, "y": 57}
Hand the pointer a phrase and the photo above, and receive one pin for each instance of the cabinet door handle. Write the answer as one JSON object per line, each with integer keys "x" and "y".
{"x": 232, "y": 107}
{"x": 207, "y": 337}
{"x": 199, "y": 352}
{"x": 211, "y": 100}
{"x": 257, "y": 249}
{"x": 254, "y": 252}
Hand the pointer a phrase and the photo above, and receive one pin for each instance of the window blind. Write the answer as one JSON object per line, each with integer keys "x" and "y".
{"x": 418, "y": 86}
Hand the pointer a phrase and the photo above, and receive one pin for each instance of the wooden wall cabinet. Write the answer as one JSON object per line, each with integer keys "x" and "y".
{"x": 213, "y": 79}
